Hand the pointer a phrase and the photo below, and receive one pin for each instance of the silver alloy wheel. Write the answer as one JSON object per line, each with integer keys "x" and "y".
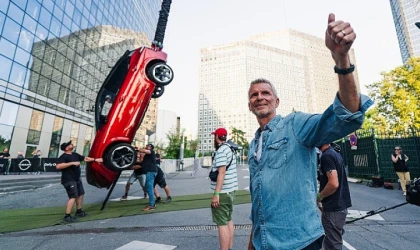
{"x": 162, "y": 74}
{"x": 122, "y": 157}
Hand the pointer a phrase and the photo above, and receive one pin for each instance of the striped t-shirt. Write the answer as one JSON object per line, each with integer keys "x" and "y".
{"x": 222, "y": 158}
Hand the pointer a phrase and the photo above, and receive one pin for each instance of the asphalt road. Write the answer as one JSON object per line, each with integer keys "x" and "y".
{"x": 395, "y": 229}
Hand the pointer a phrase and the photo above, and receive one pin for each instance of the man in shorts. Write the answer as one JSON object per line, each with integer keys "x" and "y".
{"x": 69, "y": 164}
{"x": 160, "y": 180}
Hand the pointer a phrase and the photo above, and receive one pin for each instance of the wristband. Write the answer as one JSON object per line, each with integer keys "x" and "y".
{"x": 319, "y": 197}
{"x": 344, "y": 71}
{"x": 216, "y": 193}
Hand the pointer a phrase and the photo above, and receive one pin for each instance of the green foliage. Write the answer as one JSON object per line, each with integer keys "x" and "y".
{"x": 4, "y": 143}
{"x": 238, "y": 136}
{"x": 397, "y": 99}
{"x": 173, "y": 149}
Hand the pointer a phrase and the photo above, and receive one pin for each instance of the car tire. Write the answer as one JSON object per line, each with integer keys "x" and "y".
{"x": 120, "y": 157}
{"x": 160, "y": 73}
{"x": 158, "y": 92}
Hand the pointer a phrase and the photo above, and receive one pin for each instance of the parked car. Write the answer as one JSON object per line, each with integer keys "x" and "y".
{"x": 120, "y": 106}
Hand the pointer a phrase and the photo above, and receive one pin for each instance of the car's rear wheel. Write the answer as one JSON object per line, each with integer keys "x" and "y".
{"x": 121, "y": 156}
{"x": 160, "y": 73}
{"x": 158, "y": 92}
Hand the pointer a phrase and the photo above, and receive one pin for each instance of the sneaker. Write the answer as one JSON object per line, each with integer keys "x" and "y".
{"x": 169, "y": 199}
{"x": 81, "y": 214}
{"x": 124, "y": 198}
{"x": 149, "y": 208}
{"x": 158, "y": 199}
{"x": 69, "y": 219}
{"x": 404, "y": 193}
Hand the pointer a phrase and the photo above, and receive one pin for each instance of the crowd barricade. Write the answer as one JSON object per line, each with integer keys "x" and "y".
{"x": 49, "y": 165}
{"x": 24, "y": 165}
{"x": 4, "y": 163}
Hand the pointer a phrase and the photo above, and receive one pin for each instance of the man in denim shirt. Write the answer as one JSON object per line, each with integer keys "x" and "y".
{"x": 282, "y": 157}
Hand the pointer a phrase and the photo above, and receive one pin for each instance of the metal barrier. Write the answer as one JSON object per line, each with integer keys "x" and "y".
{"x": 374, "y": 149}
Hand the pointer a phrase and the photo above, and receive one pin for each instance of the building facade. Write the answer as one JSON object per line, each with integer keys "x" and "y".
{"x": 406, "y": 13}
{"x": 167, "y": 122}
{"x": 55, "y": 56}
{"x": 298, "y": 64}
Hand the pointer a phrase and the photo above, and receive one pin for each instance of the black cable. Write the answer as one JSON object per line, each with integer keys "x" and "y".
{"x": 373, "y": 212}
{"x": 161, "y": 25}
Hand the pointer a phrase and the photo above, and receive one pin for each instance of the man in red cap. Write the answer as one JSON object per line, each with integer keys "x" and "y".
{"x": 69, "y": 164}
{"x": 224, "y": 188}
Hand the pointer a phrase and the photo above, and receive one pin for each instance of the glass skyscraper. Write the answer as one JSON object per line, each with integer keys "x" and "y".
{"x": 406, "y": 13}
{"x": 54, "y": 57}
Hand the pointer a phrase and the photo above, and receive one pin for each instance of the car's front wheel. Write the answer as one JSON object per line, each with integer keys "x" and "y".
{"x": 121, "y": 156}
{"x": 160, "y": 73}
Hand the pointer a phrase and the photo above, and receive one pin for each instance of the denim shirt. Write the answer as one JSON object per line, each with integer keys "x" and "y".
{"x": 283, "y": 182}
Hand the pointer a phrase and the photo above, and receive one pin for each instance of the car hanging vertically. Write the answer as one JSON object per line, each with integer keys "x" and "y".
{"x": 122, "y": 102}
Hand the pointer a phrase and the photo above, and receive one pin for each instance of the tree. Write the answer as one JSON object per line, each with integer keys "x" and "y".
{"x": 238, "y": 136}
{"x": 397, "y": 98}
{"x": 174, "y": 145}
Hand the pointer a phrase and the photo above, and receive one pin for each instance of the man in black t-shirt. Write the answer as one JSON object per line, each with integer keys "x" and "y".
{"x": 158, "y": 158}
{"x": 69, "y": 164}
{"x": 5, "y": 155}
{"x": 150, "y": 168}
{"x": 334, "y": 195}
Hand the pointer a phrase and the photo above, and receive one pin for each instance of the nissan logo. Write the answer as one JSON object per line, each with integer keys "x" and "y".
{"x": 24, "y": 165}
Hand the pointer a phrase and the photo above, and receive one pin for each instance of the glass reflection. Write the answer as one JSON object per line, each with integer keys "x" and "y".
{"x": 8, "y": 113}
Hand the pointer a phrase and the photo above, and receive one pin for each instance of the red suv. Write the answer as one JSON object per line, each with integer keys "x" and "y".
{"x": 122, "y": 101}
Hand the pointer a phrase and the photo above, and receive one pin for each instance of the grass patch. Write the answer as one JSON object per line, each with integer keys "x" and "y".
{"x": 13, "y": 220}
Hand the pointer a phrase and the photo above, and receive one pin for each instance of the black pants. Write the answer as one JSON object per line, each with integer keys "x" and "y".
{"x": 316, "y": 245}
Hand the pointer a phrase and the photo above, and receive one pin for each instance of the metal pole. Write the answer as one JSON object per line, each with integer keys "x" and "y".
{"x": 375, "y": 147}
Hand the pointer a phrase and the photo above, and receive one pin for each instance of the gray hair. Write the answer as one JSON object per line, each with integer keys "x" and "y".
{"x": 263, "y": 80}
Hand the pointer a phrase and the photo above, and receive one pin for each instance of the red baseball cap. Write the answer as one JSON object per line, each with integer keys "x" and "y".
{"x": 220, "y": 131}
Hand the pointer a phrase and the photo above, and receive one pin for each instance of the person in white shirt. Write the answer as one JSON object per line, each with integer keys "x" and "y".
{"x": 105, "y": 108}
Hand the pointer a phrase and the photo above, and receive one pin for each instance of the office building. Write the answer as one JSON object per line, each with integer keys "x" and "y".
{"x": 55, "y": 56}
{"x": 298, "y": 64}
{"x": 406, "y": 13}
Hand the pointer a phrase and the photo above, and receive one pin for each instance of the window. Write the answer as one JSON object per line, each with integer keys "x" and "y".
{"x": 33, "y": 137}
{"x": 8, "y": 114}
{"x": 74, "y": 134}
{"x": 5, "y": 136}
{"x": 88, "y": 138}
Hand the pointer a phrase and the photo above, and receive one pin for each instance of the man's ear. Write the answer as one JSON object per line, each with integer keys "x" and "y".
{"x": 277, "y": 102}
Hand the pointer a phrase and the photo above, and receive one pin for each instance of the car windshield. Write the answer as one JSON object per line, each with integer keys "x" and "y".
{"x": 109, "y": 90}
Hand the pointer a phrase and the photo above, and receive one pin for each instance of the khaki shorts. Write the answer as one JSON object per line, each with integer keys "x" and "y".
{"x": 223, "y": 214}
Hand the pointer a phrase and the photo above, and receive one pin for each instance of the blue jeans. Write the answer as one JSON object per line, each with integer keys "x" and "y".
{"x": 150, "y": 179}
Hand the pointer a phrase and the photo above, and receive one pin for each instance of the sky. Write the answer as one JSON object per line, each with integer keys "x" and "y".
{"x": 196, "y": 24}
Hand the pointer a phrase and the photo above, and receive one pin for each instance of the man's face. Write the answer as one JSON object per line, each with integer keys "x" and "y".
{"x": 148, "y": 147}
{"x": 6, "y": 150}
{"x": 262, "y": 101}
{"x": 70, "y": 147}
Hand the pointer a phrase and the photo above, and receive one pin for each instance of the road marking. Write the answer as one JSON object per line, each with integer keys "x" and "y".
{"x": 247, "y": 188}
{"x": 348, "y": 246}
{"x": 143, "y": 245}
{"x": 246, "y": 169}
{"x": 246, "y": 177}
{"x": 128, "y": 198}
